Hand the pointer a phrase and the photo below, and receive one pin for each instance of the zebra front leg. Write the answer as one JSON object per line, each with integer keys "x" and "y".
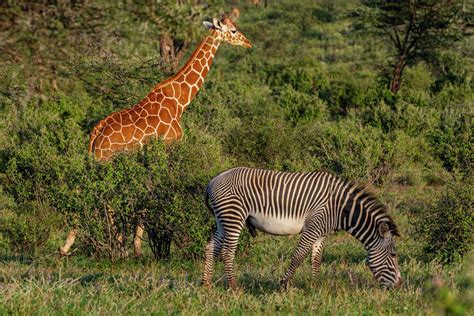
{"x": 308, "y": 238}
{"x": 317, "y": 255}
{"x": 212, "y": 252}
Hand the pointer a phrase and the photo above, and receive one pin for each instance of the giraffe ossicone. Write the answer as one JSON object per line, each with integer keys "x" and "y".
{"x": 159, "y": 113}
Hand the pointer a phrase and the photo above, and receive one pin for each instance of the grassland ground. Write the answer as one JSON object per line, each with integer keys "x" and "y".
{"x": 84, "y": 285}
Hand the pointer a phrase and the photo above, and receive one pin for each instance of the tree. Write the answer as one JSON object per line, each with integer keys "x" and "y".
{"x": 416, "y": 29}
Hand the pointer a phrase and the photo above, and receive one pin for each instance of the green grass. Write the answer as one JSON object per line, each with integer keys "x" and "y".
{"x": 78, "y": 284}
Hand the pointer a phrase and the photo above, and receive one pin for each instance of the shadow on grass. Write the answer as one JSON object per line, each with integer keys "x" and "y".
{"x": 258, "y": 285}
{"x": 91, "y": 278}
{"x": 25, "y": 259}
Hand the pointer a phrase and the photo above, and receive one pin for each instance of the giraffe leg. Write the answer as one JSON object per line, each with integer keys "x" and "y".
{"x": 212, "y": 252}
{"x": 308, "y": 238}
{"x": 137, "y": 241}
{"x": 317, "y": 255}
{"x": 71, "y": 237}
{"x": 122, "y": 252}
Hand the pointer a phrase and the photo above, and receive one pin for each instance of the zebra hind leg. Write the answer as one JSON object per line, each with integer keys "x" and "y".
{"x": 232, "y": 230}
{"x": 212, "y": 252}
{"x": 317, "y": 255}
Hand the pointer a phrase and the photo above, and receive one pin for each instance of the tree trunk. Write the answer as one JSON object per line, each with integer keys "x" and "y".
{"x": 397, "y": 74}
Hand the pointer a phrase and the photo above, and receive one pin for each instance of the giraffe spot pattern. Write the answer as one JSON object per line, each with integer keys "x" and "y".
{"x": 170, "y": 105}
{"x": 165, "y": 115}
{"x": 158, "y": 114}
{"x": 192, "y": 76}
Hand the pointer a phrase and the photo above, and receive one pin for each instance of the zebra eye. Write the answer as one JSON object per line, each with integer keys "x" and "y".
{"x": 393, "y": 255}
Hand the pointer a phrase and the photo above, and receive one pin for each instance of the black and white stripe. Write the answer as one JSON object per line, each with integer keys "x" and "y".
{"x": 283, "y": 203}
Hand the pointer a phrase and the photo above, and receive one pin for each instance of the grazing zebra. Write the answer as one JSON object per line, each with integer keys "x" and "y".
{"x": 283, "y": 203}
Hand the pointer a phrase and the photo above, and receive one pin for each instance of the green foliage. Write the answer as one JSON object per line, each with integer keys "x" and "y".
{"x": 446, "y": 229}
{"x": 27, "y": 232}
{"x": 449, "y": 302}
{"x": 310, "y": 95}
{"x": 416, "y": 30}
{"x": 452, "y": 140}
{"x": 174, "y": 206}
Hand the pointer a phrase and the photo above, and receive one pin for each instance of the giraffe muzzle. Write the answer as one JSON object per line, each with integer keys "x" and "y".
{"x": 248, "y": 44}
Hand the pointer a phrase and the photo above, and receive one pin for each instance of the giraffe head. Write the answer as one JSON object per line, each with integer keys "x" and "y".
{"x": 226, "y": 30}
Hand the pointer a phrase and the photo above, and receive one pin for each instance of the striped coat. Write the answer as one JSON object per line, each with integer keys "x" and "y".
{"x": 283, "y": 203}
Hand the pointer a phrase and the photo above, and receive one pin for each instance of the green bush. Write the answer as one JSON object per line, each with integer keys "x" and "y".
{"x": 346, "y": 148}
{"x": 447, "y": 229}
{"x": 299, "y": 107}
{"x": 452, "y": 138}
{"x": 28, "y": 232}
{"x": 173, "y": 208}
{"x": 161, "y": 186}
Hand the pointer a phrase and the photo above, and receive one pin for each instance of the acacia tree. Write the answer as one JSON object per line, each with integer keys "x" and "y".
{"x": 416, "y": 29}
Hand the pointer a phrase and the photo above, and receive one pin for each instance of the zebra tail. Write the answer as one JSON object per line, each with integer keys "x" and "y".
{"x": 206, "y": 199}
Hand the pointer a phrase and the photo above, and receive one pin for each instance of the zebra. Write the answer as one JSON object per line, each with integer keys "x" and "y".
{"x": 314, "y": 204}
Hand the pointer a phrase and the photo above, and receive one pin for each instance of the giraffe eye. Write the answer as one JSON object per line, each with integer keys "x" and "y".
{"x": 234, "y": 31}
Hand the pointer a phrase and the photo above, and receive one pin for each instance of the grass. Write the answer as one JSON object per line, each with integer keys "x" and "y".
{"x": 84, "y": 285}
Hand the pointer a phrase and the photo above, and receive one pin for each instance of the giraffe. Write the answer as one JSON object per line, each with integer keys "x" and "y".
{"x": 158, "y": 114}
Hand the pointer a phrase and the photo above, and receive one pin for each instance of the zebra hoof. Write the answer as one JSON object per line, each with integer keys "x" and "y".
{"x": 233, "y": 287}
{"x": 284, "y": 285}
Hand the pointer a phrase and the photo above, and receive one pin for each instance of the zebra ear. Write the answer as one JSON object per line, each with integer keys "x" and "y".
{"x": 384, "y": 229}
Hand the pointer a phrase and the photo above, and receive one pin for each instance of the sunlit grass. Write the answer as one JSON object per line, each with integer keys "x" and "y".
{"x": 344, "y": 286}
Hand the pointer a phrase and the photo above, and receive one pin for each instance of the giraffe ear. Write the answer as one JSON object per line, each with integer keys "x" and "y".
{"x": 208, "y": 25}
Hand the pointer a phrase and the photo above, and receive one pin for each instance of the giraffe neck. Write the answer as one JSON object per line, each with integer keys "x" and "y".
{"x": 190, "y": 78}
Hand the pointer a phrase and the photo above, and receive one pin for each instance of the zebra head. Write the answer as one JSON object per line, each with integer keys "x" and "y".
{"x": 382, "y": 257}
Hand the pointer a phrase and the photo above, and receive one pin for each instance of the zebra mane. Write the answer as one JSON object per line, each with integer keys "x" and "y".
{"x": 375, "y": 205}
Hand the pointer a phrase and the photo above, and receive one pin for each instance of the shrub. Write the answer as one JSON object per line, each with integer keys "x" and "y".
{"x": 346, "y": 148}
{"x": 299, "y": 107}
{"x": 162, "y": 186}
{"x": 27, "y": 232}
{"x": 175, "y": 209}
{"x": 446, "y": 229}
{"x": 452, "y": 140}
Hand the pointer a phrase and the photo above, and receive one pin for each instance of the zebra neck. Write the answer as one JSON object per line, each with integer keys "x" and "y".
{"x": 359, "y": 221}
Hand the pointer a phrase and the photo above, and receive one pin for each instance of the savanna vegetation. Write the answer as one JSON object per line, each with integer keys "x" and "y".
{"x": 316, "y": 92}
